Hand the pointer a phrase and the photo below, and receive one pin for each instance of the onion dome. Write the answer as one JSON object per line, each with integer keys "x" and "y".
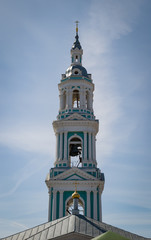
{"x": 75, "y": 195}
{"x": 76, "y": 70}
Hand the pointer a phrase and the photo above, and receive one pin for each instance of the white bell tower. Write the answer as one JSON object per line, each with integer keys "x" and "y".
{"x": 75, "y": 130}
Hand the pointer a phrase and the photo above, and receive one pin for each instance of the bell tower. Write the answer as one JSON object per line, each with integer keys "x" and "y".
{"x": 75, "y": 128}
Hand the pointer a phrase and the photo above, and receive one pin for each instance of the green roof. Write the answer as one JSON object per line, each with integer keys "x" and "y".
{"x": 110, "y": 236}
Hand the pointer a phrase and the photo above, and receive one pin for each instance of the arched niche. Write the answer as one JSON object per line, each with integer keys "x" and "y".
{"x": 75, "y": 145}
{"x": 75, "y": 99}
{"x": 69, "y": 206}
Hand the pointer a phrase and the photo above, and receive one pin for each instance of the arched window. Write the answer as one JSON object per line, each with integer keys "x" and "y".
{"x": 64, "y": 100}
{"x": 76, "y": 58}
{"x": 75, "y": 151}
{"x": 69, "y": 206}
{"x": 75, "y": 99}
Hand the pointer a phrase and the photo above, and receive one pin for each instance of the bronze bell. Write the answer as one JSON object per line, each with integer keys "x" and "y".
{"x": 75, "y": 151}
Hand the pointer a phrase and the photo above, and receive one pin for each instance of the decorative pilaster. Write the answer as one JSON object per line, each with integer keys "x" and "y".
{"x": 100, "y": 206}
{"x": 61, "y": 135}
{"x": 65, "y": 146}
{"x": 85, "y": 146}
{"x": 54, "y": 205}
{"x": 56, "y": 146}
{"x": 61, "y": 204}
{"x": 95, "y": 204}
{"x": 90, "y": 158}
{"x": 93, "y": 144}
{"x": 49, "y": 206}
{"x": 88, "y": 204}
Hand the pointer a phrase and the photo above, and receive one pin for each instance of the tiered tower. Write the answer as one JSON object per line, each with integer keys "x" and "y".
{"x": 75, "y": 130}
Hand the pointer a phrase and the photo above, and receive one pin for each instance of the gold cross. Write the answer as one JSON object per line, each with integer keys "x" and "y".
{"x": 76, "y": 26}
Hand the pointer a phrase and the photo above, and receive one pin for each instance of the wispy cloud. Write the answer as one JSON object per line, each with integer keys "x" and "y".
{"x": 107, "y": 23}
{"x": 31, "y": 168}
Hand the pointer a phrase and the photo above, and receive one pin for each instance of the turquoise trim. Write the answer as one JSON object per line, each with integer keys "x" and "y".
{"x": 85, "y": 164}
{"x": 65, "y": 196}
{"x": 64, "y": 164}
{"x": 51, "y": 203}
{"x": 75, "y": 179}
{"x": 57, "y": 205}
{"x": 75, "y": 110}
{"x": 91, "y": 201}
{"x": 78, "y": 78}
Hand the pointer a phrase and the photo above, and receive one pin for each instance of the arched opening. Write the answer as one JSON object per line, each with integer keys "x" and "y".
{"x": 69, "y": 206}
{"x": 76, "y": 99}
{"x": 76, "y": 58}
{"x": 64, "y": 100}
{"x": 75, "y": 152}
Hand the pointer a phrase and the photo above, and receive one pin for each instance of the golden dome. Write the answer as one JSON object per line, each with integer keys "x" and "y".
{"x": 75, "y": 195}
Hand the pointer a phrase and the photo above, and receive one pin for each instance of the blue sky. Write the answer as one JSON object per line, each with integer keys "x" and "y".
{"x": 35, "y": 41}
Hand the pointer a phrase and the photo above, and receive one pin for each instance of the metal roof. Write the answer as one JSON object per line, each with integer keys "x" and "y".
{"x": 72, "y": 225}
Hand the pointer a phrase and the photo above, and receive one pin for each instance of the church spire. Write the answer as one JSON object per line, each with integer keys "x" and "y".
{"x": 75, "y": 129}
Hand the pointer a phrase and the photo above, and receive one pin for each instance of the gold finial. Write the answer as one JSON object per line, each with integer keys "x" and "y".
{"x": 76, "y": 194}
{"x": 76, "y": 27}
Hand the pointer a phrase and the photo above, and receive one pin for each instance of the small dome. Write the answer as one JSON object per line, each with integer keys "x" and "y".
{"x": 76, "y": 70}
{"x": 75, "y": 195}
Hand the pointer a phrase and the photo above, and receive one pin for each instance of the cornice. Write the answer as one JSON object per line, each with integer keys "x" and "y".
{"x": 76, "y": 82}
{"x": 76, "y": 123}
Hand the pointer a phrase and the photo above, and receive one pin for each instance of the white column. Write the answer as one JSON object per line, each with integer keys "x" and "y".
{"x": 82, "y": 97}
{"x": 61, "y": 135}
{"x": 93, "y": 140}
{"x": 91, "y": 101}
{"x": 65, "y": 146}
{"x": 90, "y": 158}
{"x": 85, "y": 146}
{"x": 61, "y": 101}
{"x": 61, "y": 204}
{"x": 100, "y": 206}
{"x": 88, "y": 204}
{"x": 70, "y": 98}
{"x": 49, "y": 206}
{"x": 67, "y": 99}
{"x": 54, "y": 205}
{"x": 95, "y": 204}
{"x": 94, "y": 148}
{"x": 56, "y": 146}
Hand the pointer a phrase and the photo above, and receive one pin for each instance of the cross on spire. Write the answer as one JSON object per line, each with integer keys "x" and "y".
{"x": 76, "y": 27}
